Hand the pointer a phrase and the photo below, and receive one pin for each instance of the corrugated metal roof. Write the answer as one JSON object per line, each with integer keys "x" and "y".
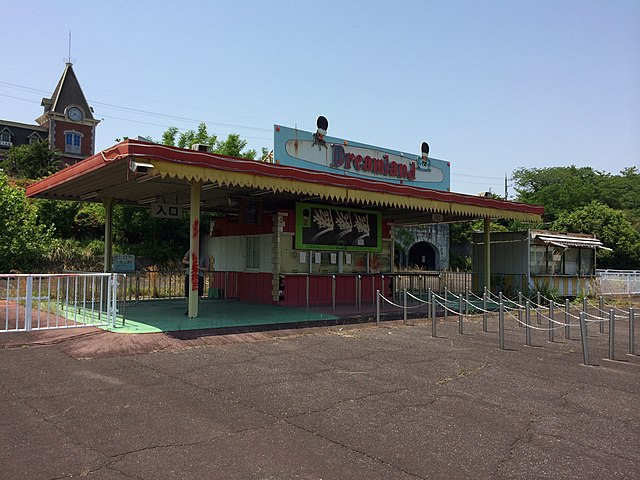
{"x": 107, "y": 174}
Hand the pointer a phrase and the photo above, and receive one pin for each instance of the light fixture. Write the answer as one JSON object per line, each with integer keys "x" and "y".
{"x": 426, "y": 161}
{"x": 318, "y": 138}
{"x": 140, "y": 167}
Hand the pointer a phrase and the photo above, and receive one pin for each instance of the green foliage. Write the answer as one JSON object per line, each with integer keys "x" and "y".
{"x": 404, "y": 238}
{"x": 561, "y": 189}
{"x": 31, "y": 161}
{"x": 70, "y": 254}
{"x": 460, "y": 262}
{"x": 609, "y": 225}
{"x": 231, "y": 147}
{"x": 190, "y": 137}
{"x": 72, "y": 219}
{"x": 23, "y": 242}
{"x": 137, "y": 233}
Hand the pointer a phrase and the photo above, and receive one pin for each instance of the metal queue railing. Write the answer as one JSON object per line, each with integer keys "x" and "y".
{"x": 539, "y": 314}
{"x": 50, "y": 301}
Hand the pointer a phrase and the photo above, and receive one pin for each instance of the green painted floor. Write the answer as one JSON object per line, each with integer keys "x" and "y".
{"x": 168, "y": 316}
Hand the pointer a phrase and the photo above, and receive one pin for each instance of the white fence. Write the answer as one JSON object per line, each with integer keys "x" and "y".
{"x": 619, "y": 282}
{"x": 49, "y": 301}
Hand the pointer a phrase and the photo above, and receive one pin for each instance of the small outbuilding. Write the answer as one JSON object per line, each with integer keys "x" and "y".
{"x": 537, "y": 259}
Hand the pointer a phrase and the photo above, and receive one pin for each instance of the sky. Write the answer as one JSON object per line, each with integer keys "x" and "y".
{"x": 492, "y": 86}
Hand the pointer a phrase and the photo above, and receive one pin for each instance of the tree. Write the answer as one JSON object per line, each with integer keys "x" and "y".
{"x": 231, "y": 147}
{"x": 31, "y": 161}
{"x": 23, "y": 242}
{"x": 609, "y": 225}
{"x": 559, "y": 188}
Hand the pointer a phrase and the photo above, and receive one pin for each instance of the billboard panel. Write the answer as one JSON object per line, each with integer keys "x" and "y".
{"x": 299, "y": 148}
{"x": 322, "y": 227}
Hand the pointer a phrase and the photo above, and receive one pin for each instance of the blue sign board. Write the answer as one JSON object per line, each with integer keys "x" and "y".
{"x": 303, "y": 149}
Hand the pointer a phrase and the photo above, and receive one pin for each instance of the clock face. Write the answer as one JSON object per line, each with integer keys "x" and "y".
{"x": 75, "y": 114}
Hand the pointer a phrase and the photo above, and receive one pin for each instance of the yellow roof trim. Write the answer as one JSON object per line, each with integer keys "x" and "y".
{"x": 240, "y": 179}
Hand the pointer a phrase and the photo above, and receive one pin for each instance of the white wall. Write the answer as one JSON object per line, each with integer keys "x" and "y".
{"x": 229, "y": 253}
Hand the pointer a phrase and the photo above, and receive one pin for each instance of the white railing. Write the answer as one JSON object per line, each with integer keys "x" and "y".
{"x": 49, "y": 301}
{"x": 619, "y": 282}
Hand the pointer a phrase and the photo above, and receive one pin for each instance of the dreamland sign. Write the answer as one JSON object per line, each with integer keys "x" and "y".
{"x": 299, "y": 148}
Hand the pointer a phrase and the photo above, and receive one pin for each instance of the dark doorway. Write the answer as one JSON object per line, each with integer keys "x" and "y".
{"x": 422, "y": 255}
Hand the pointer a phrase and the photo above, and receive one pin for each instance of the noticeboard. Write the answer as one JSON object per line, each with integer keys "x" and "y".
{"x": 123, "y": 263}
{"x": 323, "y": 227}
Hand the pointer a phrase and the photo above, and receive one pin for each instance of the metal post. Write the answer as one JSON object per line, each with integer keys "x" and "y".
{"x": 405, "y": 307}
{"x": 429, "y": 295}
{"x": 433, "y": 315}
{"x": 307, "y": 282}
{"x": 446, "y": 296}
{"x": 466, "y": 301}
{"x": 28, "y": 305}
{"x": 612, "y": 325}
{"x": 585, "y": 340}
{"x": 601, "y": 308}
{"x": 384, "y": 290}
{"x": 373, "y": 287}
{"x": 552, "y": 325}
{"x": 378, "y": 308}
{"x": 585, "y": 306}
{"x": 527, "y": 333}
{"x": 501, "y": 324}
{"x": 333, "y": 292}
{"x": 632, "y": 332}
{"x": 484, "y": 313}
{"x": 567, "y": 319}
{"x": 520, "y": 308}
{"x": 460, "y": 315}
{"x": 359, "y": 291}
{"x": 538, "y": 309}
{"x": 114, "y": 308}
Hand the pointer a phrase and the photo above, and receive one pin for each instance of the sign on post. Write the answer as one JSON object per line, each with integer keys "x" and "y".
{"x": 166, "y": 210}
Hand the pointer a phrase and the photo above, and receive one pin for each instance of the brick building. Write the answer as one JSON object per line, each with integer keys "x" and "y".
{"x": 67, "y": 122}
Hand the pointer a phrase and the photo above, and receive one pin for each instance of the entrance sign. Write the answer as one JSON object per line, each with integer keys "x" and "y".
{"x": 301, "y": 149}
{"x": 166, "y": 210}
{"x": 323, "y": 227}
{"x": 123, "y": 263}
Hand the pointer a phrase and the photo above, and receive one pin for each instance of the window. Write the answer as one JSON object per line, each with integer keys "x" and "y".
{"x": 5, "y": 138}
{"x": 554, "y": 259}
{"x": 72, "y": 142}
{"x": 34, "y": 139}
{"x": 253, "y": 252}
{"x": 537, "y": 259}
{"x": 586, "y": 261}
{"x": 571, "y": 261}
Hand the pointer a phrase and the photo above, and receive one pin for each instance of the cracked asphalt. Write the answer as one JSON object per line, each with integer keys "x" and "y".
{"x": 323, "y": 403}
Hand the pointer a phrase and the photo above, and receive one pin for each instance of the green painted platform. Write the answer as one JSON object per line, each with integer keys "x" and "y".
{"x": 168, "y": 316}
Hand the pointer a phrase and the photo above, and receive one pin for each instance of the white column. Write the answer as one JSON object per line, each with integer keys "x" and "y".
{"x": 487, "y": 253}
{"x": 108, "y": 233}
{"x": 194, "y": 248}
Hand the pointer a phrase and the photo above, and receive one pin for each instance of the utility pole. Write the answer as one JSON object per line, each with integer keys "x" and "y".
{"x": 505, "y": 186}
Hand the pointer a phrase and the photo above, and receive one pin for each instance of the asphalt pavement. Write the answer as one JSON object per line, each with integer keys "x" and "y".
{"x": 339, "y": 402}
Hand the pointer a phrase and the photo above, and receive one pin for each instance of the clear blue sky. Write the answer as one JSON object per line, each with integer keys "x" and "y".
{"x": 491, "y": 85}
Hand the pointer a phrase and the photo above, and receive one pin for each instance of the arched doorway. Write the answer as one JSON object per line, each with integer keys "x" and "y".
{"x": 422, "y": 255}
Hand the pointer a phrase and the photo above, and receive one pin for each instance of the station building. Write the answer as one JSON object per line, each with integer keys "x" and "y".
{"x": 319, "y": 215}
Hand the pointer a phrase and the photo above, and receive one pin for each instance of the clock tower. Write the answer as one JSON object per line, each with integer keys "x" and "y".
{"x": 69, "y": 119}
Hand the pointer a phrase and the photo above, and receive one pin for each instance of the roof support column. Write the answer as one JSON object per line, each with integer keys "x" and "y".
{"x": 194, "y": 248}
{"x": 108, "y": 233}
{"x": 487, "y": 253}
